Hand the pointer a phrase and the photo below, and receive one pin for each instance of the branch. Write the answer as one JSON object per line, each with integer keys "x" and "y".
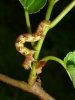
{"x": 34, "y": 89}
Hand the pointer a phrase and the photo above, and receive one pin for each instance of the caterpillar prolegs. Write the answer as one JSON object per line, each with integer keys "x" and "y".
{"x": 30, "y": 38}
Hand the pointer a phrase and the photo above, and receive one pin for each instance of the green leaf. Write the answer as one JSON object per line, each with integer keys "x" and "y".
{"x": 69, "y": 60}
{"x": 33, "y": 6}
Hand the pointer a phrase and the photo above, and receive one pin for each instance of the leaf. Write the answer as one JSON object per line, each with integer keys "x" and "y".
{"x": 33, "y": 6}
{"x": 69, "y": 60}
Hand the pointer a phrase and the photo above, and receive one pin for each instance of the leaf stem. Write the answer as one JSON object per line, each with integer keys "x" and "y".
{"x": 51, "y": 4}
{"x": 39, "y": 45}
{"x": 55, "y": 59}
{"x": 28, "y": 22}
{"x": 62, "y": 14}
{"x": 32, "y": 76}
{"x": 59, "y": 61}
{"x": 28, "y": 25}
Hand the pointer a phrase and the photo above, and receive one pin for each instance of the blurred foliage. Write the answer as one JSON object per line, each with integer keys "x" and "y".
{"x": 59, "y": 41}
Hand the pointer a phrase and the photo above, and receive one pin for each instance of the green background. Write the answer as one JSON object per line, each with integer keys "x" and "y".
{"x": 59, "y": 41}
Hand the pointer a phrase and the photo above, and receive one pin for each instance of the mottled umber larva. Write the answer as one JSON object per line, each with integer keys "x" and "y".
{"x": 30, "y": 38}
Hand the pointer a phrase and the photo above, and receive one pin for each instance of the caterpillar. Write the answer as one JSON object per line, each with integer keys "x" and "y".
{"x": 19, "y": 44}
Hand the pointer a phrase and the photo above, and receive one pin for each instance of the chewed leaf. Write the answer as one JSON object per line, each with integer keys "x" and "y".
{"x": 69, "y": 60}
{"x": 33, "y": 6}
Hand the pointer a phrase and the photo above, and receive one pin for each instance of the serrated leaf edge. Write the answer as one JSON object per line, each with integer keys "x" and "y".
{"x": 39, "y": 9}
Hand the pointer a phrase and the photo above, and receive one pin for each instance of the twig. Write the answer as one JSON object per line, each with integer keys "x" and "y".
{"x": 34, "y": 89}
